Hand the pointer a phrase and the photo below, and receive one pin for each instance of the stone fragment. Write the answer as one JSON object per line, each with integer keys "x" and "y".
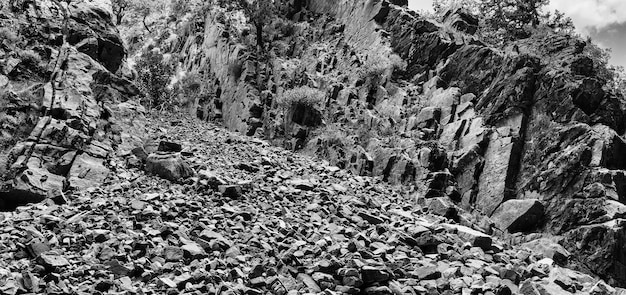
{"x": 51, "y": 260}
{"x": 231, "y": 191}
{"x": 476, "y": 238}
{"x": 549, "y": 249}
{"x": 169, "y": 147}
{"x": 173, "y": 254}
{"x": 371, "y": 274}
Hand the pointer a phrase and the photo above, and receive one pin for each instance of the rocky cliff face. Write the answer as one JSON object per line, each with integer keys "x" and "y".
{"x": 60, "y": 98}
{"x": 527, "y": 139}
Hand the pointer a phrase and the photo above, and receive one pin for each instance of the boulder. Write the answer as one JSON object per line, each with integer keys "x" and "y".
{"x": 170, "y": 166}
{"x": 549, "y": 249}
{"x": 518, "y": 215}
{"x": 476, "y": 238}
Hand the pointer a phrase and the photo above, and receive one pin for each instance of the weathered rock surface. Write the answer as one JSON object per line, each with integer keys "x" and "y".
{"x": 57, "y": 130}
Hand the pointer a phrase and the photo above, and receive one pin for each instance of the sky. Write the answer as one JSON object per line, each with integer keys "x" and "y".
{"x": 603, "y": 20}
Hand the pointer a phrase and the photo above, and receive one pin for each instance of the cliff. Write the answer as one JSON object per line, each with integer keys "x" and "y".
{"x": 62, "y": 107}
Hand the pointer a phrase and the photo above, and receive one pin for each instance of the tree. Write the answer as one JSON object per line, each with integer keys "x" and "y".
{"x": 119, "y": 9}
{"x": 260, "y": 13}
{"x": 137, "y": 8}
{"x": 505, "y": 20}
{"x": 153, "y": 76}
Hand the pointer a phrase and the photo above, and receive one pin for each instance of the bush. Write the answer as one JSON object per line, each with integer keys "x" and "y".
{"x": 153, "y": 77}
{"x": 9, "y": 35}
{"x": 301, "y": 106}
{"x": 30, "y": 58}
{"x": 187, "y": 91}
{"x": 235, "y": 69}
{"x": 304, "y": 95}
{"x": 377, "y": 65}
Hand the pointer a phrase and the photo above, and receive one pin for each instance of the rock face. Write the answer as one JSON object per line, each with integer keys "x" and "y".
{"x": 59, "y": 97}
{"x": 426, "y": 104}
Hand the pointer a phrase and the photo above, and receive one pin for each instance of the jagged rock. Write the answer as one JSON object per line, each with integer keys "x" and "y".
{"x": 372, "y": 274}
{"x": 52, "y": 260}
{"x": 550, "y": 250}
{"x": 231, "y": 191}
{"x": 170, "y": 166}
{"x": 518, "y": 215}
{"x": 172, "y": 147}
{"x": 476, "y": 238}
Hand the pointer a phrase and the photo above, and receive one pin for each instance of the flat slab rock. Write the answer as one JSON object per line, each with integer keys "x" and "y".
{"x": 476, "y": 238}
{"x": 518, "y": 215}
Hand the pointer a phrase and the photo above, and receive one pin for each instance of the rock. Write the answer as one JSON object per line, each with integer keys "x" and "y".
{"x": 518, "y": 215}
{"x": 173, "y": 254}
{"x": 371, "y": 218}
{"x": 302, "y": 184}
{"x": 309, "y": 282}
{"x": 371, "y": 274}
{"x": 212, "y": 178}
{"x": 36, "y": 248}
{"x": 476, "y": 238}
{"x": 193, "y": 251}
{"x": 231, "y": 191}
{"x": 549, "y": 249}
{"x": 169, "y": 147}
{"x": 428, "y": 116}
{"x": 169, "y": 166}
{"x": 51, "y": 260}
{"x": 87, "y": 171}
{"x": 381, "y": 290}
{"x": 426, "y": 273}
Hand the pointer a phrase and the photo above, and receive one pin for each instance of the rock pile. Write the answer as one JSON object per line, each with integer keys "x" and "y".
{"x": 258, "y": 219}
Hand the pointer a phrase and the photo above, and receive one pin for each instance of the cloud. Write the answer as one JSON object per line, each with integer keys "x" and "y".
{"x": 420, "y": 4}
{"x": 592, "y": 14}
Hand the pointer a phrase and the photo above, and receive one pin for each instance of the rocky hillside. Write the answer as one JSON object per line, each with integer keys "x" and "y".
{"x": 257, "y": 219}
{"x": 526, "y": 139}
{"x": 444, "y": 165}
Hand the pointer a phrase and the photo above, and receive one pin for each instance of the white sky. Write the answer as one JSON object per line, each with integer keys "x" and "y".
{"x": 604, "y": 20}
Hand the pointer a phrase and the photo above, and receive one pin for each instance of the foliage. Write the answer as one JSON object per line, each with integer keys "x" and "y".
{"x": 377, "y": 65}
{"x": 508, "y": 20}
{"x": 304, "y": 95}
{"x": 9, "y": 35}
{"x": 30, "y": 57}
{"x": 235, "y": 69}
{"x": 153, "y": 76}
{"x": 137, "y": 9}
{"x": 187, "y": 91}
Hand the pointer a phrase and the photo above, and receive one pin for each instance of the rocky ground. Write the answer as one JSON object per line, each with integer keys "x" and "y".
{"x": 244, "y": 217}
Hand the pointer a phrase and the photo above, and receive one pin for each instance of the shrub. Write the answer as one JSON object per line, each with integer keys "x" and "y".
{"x": 9, "y": 35}
{"x": 235, "y": 69}
{"x": 301, "y": 106}
{"x": 377, "y": 65}
{"x": 187, "y": 91}
{"x": 30, "y": 57}
{"x": 153, "y": 77}
{"x": 304, "y": 95}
